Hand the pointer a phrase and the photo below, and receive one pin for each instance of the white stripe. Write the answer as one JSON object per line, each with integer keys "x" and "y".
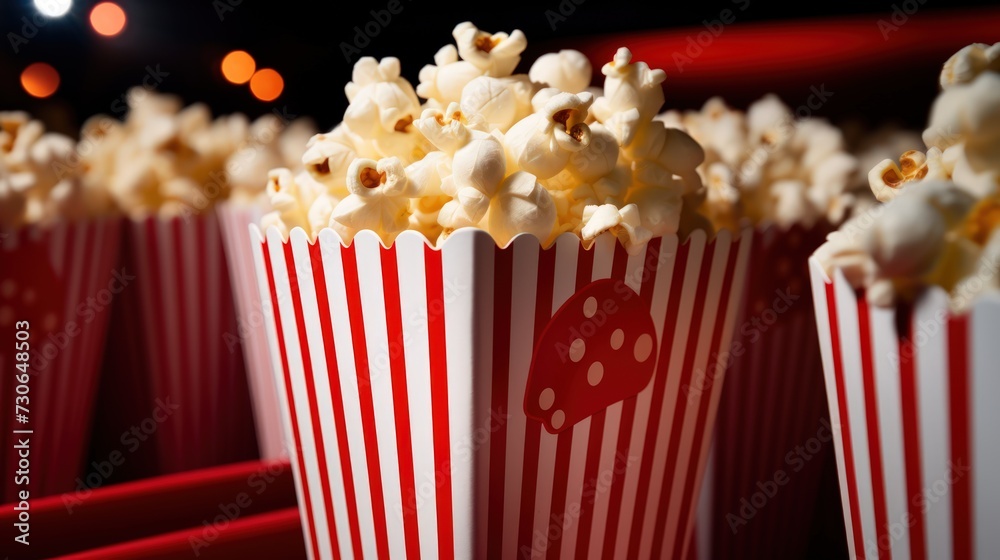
{"x": 343, "y": 341}
{"x": 885, "y": 353}
{"x": 413, "y": 306}
{"x": 368, "y": 247}
{"x": 324, "y": 403}
{"x": 309, "y": 470}
{"x": 524, "y": 269}
{"x": 692, "y": 269}
{"x": 819, "y": 282}
{"x": 564, "y": 284}
{"x": 931, "y": 341}
{"x": 984, "y": 387}
{"x": 658, "y": 310}
{"x": 677, "y": 519}
{"x": 484, "y": 423}
{"x": 847, "y": 314}
{"x": 460, "y": 322}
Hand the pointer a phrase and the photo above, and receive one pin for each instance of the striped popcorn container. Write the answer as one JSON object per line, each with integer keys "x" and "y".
{"x": 249, "y": 337}
{"x": 772, "y": 432}
{"x": 911, "y": 392}
{"x": 56, "y": 284}
{"x": 193, "y": 401}
{"x": 476, "y": 402}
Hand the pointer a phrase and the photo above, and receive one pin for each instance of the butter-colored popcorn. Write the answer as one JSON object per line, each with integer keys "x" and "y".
{"x": 598, "y": 158}
{"x": 522, "y": 205}
{"x": 969, "y": 62}
{"x": 329, "y": 155}
{"x": 449, "y": 129}
{"x": 477, "y": 171}
{"x": 887, "y": 178}
{"x": 495, "y": 54}
{"x": 542, "y": 142}
{"x": 672, "y": 149}
{"x": 443, "y": 81}
{"x": 629, "y": 86}
{"x": 270, "y": 144}
{"x": 659, "y": 205}
{"x": 291, "y": 202}
{"x": 567, "y": 70}
{"x": 624, "y": 223}
{"x": 500, "y": 102}
{"x": 379, "y": 200}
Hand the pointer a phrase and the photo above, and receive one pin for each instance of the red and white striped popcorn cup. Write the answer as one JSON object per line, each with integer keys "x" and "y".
{"x": 185, "y": 312}
{"x": 250, "y": 338}
{"x": 56, "y": 283}
{"x": 772, "y": 432}
{"x": 912, "y": 393}
{"x": 469, "y": 401}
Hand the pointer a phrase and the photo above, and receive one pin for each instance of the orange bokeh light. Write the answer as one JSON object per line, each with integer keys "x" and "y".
{"x": 238, "y": 67}
{"x": 266, "y": 84}
{"x": 108, "y": 19}
{"x": 40, "y": 80}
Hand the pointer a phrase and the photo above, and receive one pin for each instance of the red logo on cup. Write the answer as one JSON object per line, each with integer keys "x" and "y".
{"x": 599, "y": 348}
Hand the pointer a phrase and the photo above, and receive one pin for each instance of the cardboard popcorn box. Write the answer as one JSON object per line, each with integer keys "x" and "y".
{"x": 911, "y": 392}
{"x": 56, "y": 284}
{"x": 469, "y": 401}
{"x": 772, "y": 433}
{"x": 250, "y": 338}
{"x": 185, "y": 310}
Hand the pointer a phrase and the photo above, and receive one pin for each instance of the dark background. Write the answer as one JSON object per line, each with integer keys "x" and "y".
{"x": 188, "y": 38}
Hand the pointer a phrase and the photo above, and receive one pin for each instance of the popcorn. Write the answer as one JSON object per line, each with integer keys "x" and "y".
{"x": 290, "y": 200}
{"x": 939, "y": 223}
{"x": 969, "y": 62}
{"x": 40, "y": 176}
{"x": 379, "y": 199}
{"x": 270, "y": 145}
{"x": 625, "y": 224}
{"x": 568, "y": 70}
{"x": 511, "y": 154}
{"x": 541, "y": 143}
{"x": 496, "y": 54}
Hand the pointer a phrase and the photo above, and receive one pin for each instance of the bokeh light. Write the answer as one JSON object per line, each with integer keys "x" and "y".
{"x": 108, "y": 19}
{"x": 53, "y": 8}
{"x": 40, "y": 80}
{"x": 238, "y": 67}
{"x": 266, "y": 84}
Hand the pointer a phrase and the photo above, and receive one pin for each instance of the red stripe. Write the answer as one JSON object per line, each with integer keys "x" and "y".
{"x": 680, "y": 409}
{"x": 303, "y": 479}
{"x": 503, "y": 264}
{"x": 308, "y": 374}
{"x": 564, "y": 441}
{"x": 357, "y": 319}
{"x": 187, "y": 430}
{"x": 845, "y": 425}
{"x": 961, "y": 451}
{"x": 622, "y": 446}
{"x": 532, "y": 430}
{"x": 400, "y": 399}
{"x": 911, "y": 435}
{"x": 706, "y": 398}
{"x": 874, "y": 434}
{"x": 336, "y": 397}
{"x": 439, "y": 400}
{"x": 656, "y": 403}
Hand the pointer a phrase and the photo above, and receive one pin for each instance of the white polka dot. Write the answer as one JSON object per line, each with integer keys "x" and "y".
{"x": 546, "y": 398}
{"x": 643, "y": 347}
{"x": 7, "y": 288}
{"x": 558, "y": 417}
{"x": 595, "y": 373}
{"x": 577, "y": 349}
{"x": 617, "y": 339}
{"x": 590, "y": 307}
